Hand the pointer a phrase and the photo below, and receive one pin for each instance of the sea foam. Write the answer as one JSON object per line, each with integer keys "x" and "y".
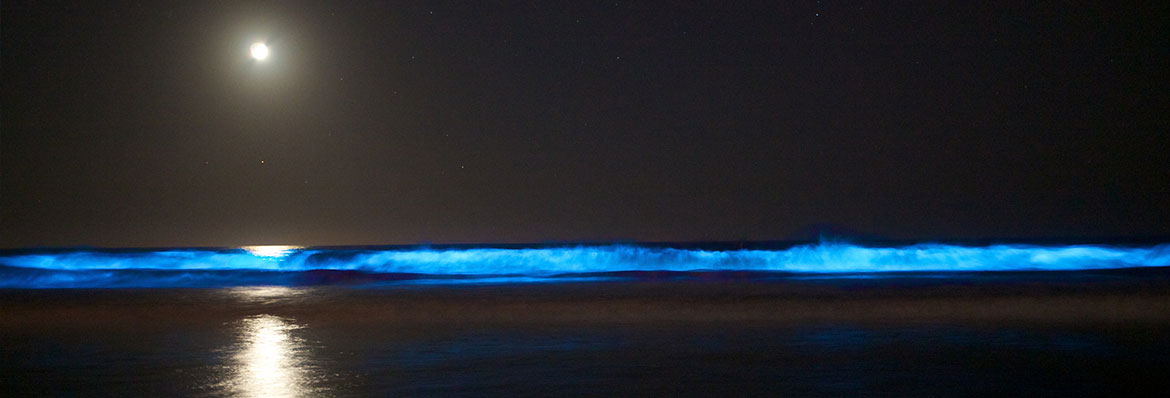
{"x": 246, "y": 266}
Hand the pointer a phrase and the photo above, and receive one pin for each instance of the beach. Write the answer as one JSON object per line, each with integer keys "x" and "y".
{"x": 1027, "y": 334}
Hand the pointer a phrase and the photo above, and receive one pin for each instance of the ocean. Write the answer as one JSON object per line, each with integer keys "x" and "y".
{"x": 628, "y": 319}
{"x": 395, "y": 265}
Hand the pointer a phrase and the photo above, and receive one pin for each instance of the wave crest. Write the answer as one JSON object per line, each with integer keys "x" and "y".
{"x": 90, "y": 267}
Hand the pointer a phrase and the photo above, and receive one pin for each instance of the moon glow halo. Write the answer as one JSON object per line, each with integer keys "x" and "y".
{"x": 259, "y": 51}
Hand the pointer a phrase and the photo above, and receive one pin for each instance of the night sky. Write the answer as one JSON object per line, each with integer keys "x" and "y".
{"x": 147, "y": 123}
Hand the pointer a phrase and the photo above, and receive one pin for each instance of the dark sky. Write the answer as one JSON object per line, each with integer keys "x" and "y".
{"x": 147, "y": 124}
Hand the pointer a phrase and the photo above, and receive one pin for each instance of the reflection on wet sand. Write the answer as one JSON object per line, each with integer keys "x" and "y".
{"x": 264, "y": 294}
{"x": 270, "y": 361}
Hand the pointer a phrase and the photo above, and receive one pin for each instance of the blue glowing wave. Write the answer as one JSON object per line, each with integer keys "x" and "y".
{"x": 236, "y": 267}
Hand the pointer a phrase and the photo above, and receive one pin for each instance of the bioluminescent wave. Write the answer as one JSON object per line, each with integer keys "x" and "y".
{"x": 288, "y": 265}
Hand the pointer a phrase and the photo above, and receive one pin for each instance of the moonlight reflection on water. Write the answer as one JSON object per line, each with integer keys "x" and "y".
{"x": 270, "y": 361}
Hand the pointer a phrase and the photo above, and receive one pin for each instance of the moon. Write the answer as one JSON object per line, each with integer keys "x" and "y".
{"x": 259, "y": 51}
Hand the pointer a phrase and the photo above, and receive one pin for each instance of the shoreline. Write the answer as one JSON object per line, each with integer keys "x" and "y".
{"x": 1029, "y": 337}
{"x": 1139, "y": 301}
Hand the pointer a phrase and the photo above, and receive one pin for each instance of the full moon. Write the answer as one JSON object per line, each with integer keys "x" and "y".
{"x": 259, "y": 51}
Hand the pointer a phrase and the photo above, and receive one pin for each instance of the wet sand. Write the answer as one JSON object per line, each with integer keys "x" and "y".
{"x": 1027, "y": 335}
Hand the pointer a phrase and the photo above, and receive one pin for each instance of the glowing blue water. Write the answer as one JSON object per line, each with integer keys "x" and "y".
{"x": 236, "y": 267}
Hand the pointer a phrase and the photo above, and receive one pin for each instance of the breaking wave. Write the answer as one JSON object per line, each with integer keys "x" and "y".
{"x": 299, "y": 266}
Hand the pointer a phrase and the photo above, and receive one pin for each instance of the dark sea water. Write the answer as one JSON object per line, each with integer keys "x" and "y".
{"x": 593, "y": 320}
